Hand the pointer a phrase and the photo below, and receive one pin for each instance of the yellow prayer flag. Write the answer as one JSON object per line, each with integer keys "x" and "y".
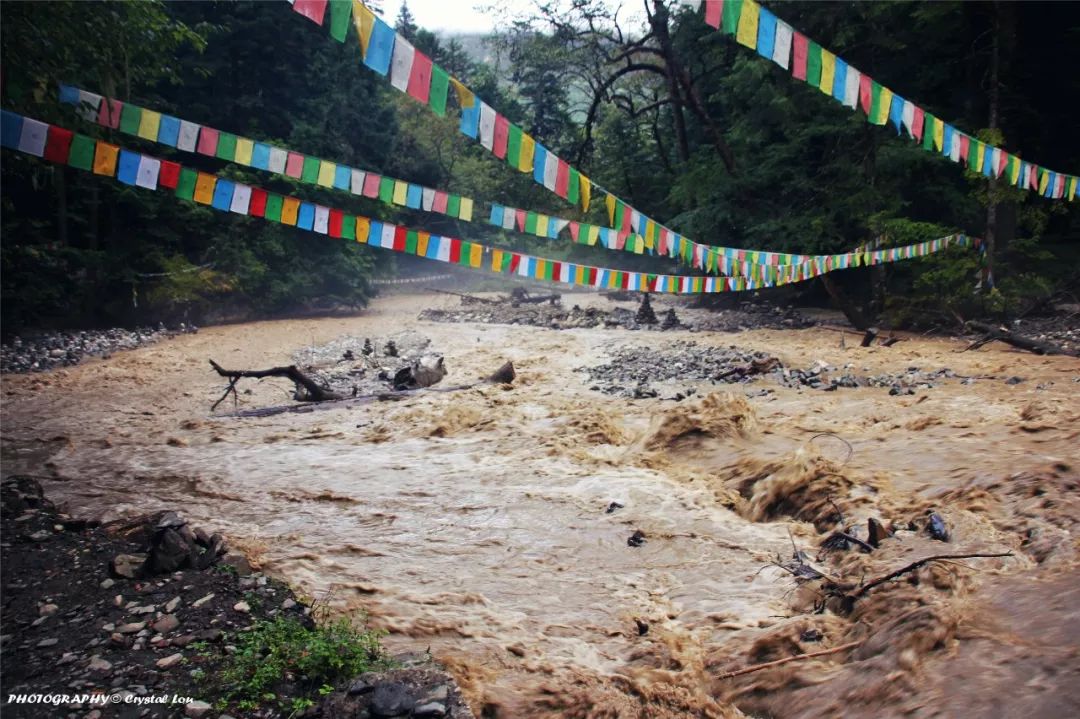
{"x": 244, "y": 148}
{"x": 586, "y": 193}
{"x": 579, "y": 275}
{"x": 540, "y": 265}
{"x": 476, "y": 255}
{"x": 650, "y": 232}
{"x": 939, "y": 132}
{"x": 204, "y": 189}
{"x": 401, "y": 192}
{"x": 326, "y": 173}
{"x": 610, "y": 201}
{"x": 612, "y": 280}
{"x": 496, "y": 260}
{"x": 828, "y": 71}
{"x": 464, "y": 95}
{"x": 290, "y": 206}
{"x": 542, "y": 225}
{"x": 746, "y": 33}
{"x": 528, "y": 150}
{"x": 466, "y": 209}
{"x": 364, "y": 20}
{"x": 980, "y": 155}
{"x": 1072, "y": 189}
{"x": 149, "y": 124}
{"x": 1044, "y": 177}
{"x": 105, "y": 158}
{"x": 594, "y": 235}
{"x": 363, "y": 228}
{"x": 422, "y": 239}
{"x": 883, "y": 110}
{"x": 1014, "y": 171}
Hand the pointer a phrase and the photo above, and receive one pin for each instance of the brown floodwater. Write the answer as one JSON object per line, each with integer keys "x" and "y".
{"x": 473, "y": 523}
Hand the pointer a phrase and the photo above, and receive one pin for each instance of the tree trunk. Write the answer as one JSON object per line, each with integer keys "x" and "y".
{"x": 850, "y": 309}
{"x": 995, "y": 98}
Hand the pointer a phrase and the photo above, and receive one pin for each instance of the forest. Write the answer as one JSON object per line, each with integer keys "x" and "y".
{"x": 680, "y": 120}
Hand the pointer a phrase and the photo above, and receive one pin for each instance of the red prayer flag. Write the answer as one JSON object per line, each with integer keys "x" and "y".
{"x": 371, "y": 184}
{"x": 627, "y": 217}
{"x": 314, "y": 10}
{"x": 865, "y": 93}
{"x": 917, "y": 122}
{"x": 400, "y": 236}
{"x": 109, "y": 114}
{"x": 556, "y": 270}
{"x": 336, "y": 217}
{"x": 798, "y": 68}
{"x": 257, "y": 207}
{"x": 592, "y": 275}
{"x": 965, "y": 145}
{"x": 420, "y": 78}
{"x": 502, "y": 133}
{"x": 439, "y": 204}
{"x": 1003, "y": 162}
{"x": 562, "y": 179}
{"x": 455, "y": 251}
{"x": 575, "y": 228}
{"x": 58, "y": 144}
{"x": 624, "y": 280}
{"x": 515, "y": 260}
{"x": 714, "y": 10}
{"x": 169, "y": 175}
{"x": 520, "y": 216}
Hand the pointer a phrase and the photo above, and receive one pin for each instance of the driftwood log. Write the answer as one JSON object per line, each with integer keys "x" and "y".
{"x": 307, "y": 389}
{"x": 992, "y": 334}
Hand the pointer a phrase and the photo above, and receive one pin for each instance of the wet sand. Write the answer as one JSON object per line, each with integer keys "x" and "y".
{"x": 473, "y": 522}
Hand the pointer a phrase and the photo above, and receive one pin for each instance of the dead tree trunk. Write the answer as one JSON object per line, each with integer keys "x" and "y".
{"x": 312, "y": 390}
{"x": 1019, "y": 341}
{"x": 854, "y": 315}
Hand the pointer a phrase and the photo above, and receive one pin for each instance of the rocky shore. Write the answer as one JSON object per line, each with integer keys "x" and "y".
{"x": 151, "y": 617}
{"x": 38, "y": 353}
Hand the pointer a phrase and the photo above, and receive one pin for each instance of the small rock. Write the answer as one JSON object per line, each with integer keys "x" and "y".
{"x": 237, "y": 561}
{"x": 636, "y": 539}
{"x": 132, "y": 628}
{"x": 199, "y": 602}
{"x": 107, "y": 583}
{"x": 196, "y": 709}
{"x": 47, "y": 610}
{"x": 68, "y": 658}
{"x": 242, "y": 607}
{"x": 438, "y": 694}
{"x": 612, "y": 507}
{"x": 1014, "y": 380}
{"x": 937, "y": 529}
{"x": 110, "y": 627}
{"x": 166, "y": 624}
{"x": 390, "y": 700}
{"x": 171, "y": 605}
{"x": 361, "y": 685}
{"x": 288, "y": 604}
{"x": 97, "y": 664}
{"x": 48, "y": 643}
{"x": 128, "y": 565}
{"x": 170, "y": 661}
{"x": 432, "y": 709}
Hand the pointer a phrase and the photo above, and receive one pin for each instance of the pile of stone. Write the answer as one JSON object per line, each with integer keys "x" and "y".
{"x": 37, "y": 353}
{"x": 363, "y": 365}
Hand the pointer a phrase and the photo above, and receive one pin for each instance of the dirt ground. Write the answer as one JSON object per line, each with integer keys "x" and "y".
{"x": 475, "y": 523}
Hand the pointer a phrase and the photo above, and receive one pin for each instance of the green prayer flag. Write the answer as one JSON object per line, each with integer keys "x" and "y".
{"x": 530, "y": 223}
{"x": 504, "y": 263}
{"x": 348, "y": 227}
{"x": 813, "y": 64}
{"x": 410, "y": 242}
{"x": 310, "y": 171}
{"x": 440, "y": 86}
{"x": 185, "y": 185}
{"x": 732, "y": 11}
{"x": 340, "y": 14}
{"x": 82, "y": 152}
{"x": 513, "y": 146}
{"x": 453, "y": 205}
{"x": 927, "y": 133}
{"x": 549, "y": 269}
{"x": 226, "y": 146}
{"x": 973, "y": 155}
{"x": 386, "y": 189}
{"x": 130, "y": 117}
{"x": 875, "y": 104}
{"x": 273, "y": 207}
{"x": 466, "y": 248}
{"x": 573, "y": 190}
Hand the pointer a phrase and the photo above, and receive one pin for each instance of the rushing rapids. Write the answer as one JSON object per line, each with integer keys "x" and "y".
{"x": 475, "y": 522}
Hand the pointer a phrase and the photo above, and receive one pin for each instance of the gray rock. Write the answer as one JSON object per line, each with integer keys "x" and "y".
{"x": 131, "y": 628}
{"x": 171, "y": 605}
{"x": 199, "y": 602}
{"x": 237, "y": 561}
{"x": 438, "y": 694}
{"x": 242, "y": 607}
{"x": 48, "y": 643}
{"x": 107, "y": 583}
{"x": 170, "y": 661}
{"x": 390, "y": 699}
{"x": 431, "y": 709}
{"x": 166, "y": 624}
{"x": 128, "y": 566}
{"x": 97, "y": 664}
{"x": 196, "y": 709}
{"x": 47, "y": 610}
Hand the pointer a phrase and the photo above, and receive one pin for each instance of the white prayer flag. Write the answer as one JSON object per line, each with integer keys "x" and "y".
{"x": 33, "y": 136}
{"x": 356, "y": 182}
{"x": 781, "y": 53}
{"x": 278, "y": 158}
{"x": 189, "y": 135}
{"x": 322, "y": 219}
{"x": 487, "y": 126}
{"x": 241, "y": 199}
{"x": 147, "y": 174}
{"x": 401, "y": 63}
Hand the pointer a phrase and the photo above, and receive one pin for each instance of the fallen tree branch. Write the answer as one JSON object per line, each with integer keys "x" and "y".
{"x": 1019, "y": 341}
{"x": 863, "y": 590}
{"x": 785, "y": 660}
{"x": 315, "y": 391}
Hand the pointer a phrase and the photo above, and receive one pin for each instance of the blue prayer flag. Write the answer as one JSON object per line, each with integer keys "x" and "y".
{"x": 470, "y": 120}
{"x": 380, "y": 47}
{"x": 305, "y": 220}
{"x": 127, "y": 169}
{"x": 433, "y": 247}
{"x": 260, "y": 156}
{"x": 168, "y": 130}
{"x": 69, "y": 95}
{"x": 223, "y": 193}
{"x": 839, "y": 85}
{"x": 988, "y": 160}
{"x": 412, "y": 197}
{"x": 10, "y": 129}
{"x": 947, "y": 140}
{"x": 539, "y": 161}
{"x": 343, "y": 177}
{"x": 896, "y": 111}
{"x": 766, "y": 33}
{"x": 496, "y": 215}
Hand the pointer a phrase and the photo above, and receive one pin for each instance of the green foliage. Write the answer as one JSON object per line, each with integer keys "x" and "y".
{"x": 279, "y": 652}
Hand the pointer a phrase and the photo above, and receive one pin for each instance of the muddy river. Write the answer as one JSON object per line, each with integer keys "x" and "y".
{"x": 474, "y": 523}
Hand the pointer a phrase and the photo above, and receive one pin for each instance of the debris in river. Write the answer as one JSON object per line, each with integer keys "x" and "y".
{"x": 636, "y": 539}
{"x": 423, "y": 372}
{"x": 612, "y": 507}
{"x": 642, "y": 627}
{"x": 936, "y": 528}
